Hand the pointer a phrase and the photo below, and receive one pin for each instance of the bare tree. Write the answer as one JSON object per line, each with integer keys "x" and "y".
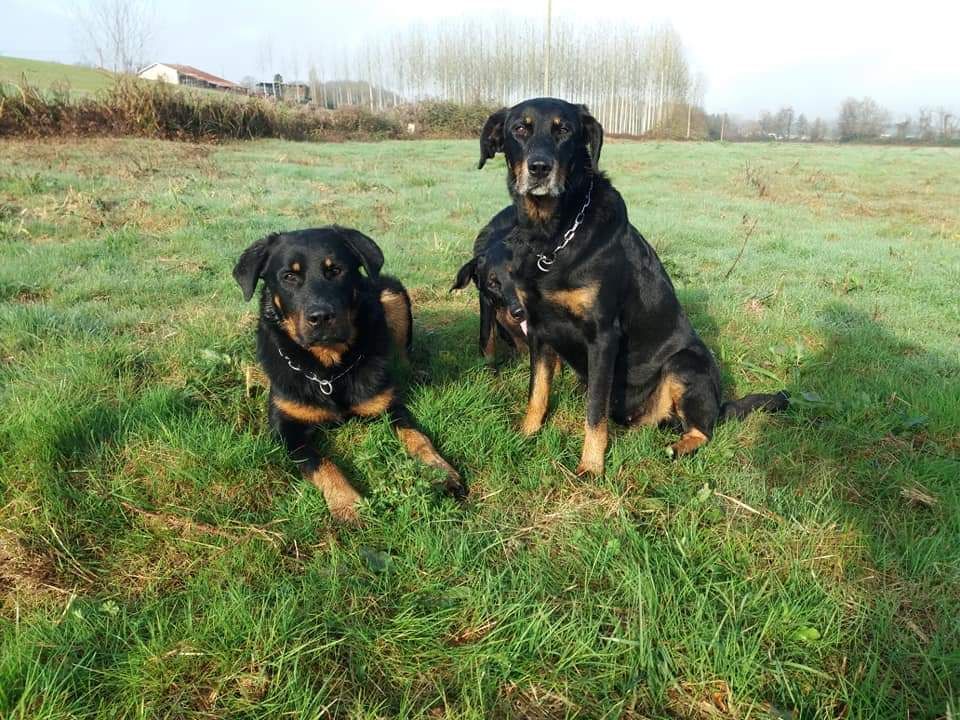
{"x": 802, "y": 126}
{"x": 117, "y": 32}
{"x": 861, "y": 119}
{"x": 818, "y": 131}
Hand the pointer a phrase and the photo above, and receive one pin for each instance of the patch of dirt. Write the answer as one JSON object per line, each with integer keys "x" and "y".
{"x": 28, "y": 296}
{"x": 26, "y": 578}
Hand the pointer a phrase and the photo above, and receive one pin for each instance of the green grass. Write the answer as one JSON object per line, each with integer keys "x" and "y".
{"x": 160, "y": 557}
{"x": 52, "y": 75}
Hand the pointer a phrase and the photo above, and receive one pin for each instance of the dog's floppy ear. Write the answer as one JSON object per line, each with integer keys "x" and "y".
{"x": 464, "y": 275}
{"x": 491, "y": 137}
{"x": 249, "y": 268}
{"x": 368, "y": 252}
{"x": 593, "y": 133}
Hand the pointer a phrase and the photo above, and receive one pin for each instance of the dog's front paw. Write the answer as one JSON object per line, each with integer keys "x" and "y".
{"x": 454, "y": 485}
{"x": 530, "y": 426}
{"x": 346, "y": 514}
{"x": 342, "y": 499}
{"x": 590, "y": 467}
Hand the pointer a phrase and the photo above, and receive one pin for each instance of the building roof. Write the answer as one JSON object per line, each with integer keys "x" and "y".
{"x": 198, "y": 74}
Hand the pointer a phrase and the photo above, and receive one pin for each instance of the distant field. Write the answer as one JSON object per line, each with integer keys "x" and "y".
{"x": 160, "y": 557}
{"x": 49, "y": 75}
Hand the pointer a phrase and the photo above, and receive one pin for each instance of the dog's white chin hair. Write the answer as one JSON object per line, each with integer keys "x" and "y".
{"x": 541, "y": 190}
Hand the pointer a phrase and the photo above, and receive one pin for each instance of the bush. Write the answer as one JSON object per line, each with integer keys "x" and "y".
{"x": 149, "y": 109}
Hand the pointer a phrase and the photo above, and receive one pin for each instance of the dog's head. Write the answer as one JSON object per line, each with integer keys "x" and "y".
{"x": 313, "y": 283}
{"x": 490, "y": 272}
{"x": 547, "y": 143}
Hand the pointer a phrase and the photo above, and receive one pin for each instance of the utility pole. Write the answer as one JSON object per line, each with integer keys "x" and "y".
{"x": 546, "y": 60}
{"x": 723, "y": 125}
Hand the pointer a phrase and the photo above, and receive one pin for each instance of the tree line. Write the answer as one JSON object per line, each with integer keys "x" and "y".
{"x": 652, "y": 91}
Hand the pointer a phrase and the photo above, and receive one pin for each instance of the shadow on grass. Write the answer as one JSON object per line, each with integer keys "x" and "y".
{"x": 872, "y": 441}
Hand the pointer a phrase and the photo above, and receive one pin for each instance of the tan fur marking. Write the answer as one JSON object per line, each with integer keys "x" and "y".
{"x": 663, "y": 403}
{"x": 276, "y": 301}
{"x": 594, "y": 448}
{"x": 303, "y": 412}
{"x": 540, "y": 208}
{"x": 420, "y": 447}
{"x": 490, "y": 349}
{"x": 376, "y": 405}
{"x": 291, "y": 324}
{"x": 329, "y": 355}
{"x": 540, "y": 397}
{"x": 577, "y": 301}
{"x": 688, "y": 442}
{"x": 328, "y": 262}
{"x": 295, "y": 267}
{"x": 341, "y": 498}
{"x": 396, "y": 310}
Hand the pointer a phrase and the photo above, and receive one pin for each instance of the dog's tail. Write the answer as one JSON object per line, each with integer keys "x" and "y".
{"x": 739, "y": 409}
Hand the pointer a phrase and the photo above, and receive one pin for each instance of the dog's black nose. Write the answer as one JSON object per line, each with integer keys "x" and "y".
{"x": 539, "y": 167}
{"x": 320, "y": 316}
{"x": 517, "y": 313}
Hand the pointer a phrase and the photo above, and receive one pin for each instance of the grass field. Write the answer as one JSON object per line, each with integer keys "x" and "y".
{"x": 160, "y": 556}
{"x": 49, "y": 75}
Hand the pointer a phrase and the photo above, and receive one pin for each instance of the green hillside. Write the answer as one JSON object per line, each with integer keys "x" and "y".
{"x": 42, "y": 74}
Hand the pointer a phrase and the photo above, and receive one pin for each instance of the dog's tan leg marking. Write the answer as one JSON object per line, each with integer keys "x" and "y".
{"x": 594, "y": 449}
{"x": 419, "y": 446}
{"x": 305, "y": 413}
{"x": 662, "y": 403}
{"x": 688, "y": 442}
{"x": 539, "y": 395}
{"x": 341, "y": 498}
{"x": 376, "y": 405}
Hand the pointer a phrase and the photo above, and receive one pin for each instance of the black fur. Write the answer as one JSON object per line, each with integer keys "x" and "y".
{"x": 317, "y": 274}
{"x": 500, "y": 308}
{"x": 606, "y": 305}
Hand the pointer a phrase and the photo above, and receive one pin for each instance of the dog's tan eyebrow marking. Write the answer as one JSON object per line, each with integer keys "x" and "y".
{"x": 276, "y": 301}
{"x": 328, "y": 262}
{"x": 556, "y": 121}
{"x": 295, "y": 267}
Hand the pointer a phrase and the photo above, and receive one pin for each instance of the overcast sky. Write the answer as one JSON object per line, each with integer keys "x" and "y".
{"x": 756, "y": 55}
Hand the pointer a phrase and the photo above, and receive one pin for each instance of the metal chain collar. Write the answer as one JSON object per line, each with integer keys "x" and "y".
{"x": 326, "y": 385}
{"x": 543, "y": 261}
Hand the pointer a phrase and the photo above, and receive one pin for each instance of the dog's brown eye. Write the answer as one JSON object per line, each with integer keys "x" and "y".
{"x": 291, "y": 277}
{"x": 563, "y": 130}
{"x": 520, "y": 130}
{"x": 493, "y": 282}
{"x": 332, "y": 271}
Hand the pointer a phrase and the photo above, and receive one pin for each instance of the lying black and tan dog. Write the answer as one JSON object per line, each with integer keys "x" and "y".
{"x": 501, "y": 312}
{"x": 595, "y": 291}
{"x": 325, "y": 338}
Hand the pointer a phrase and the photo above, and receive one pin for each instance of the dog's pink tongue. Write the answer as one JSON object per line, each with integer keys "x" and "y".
{"x": 523, "y": 326}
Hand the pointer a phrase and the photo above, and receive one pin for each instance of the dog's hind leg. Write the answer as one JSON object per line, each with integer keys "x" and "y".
{"x": 694, "y": 395}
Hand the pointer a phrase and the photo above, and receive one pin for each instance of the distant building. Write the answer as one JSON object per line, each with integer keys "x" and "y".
{"x": 298, "y": 92}
{"x": 186, "y": 75}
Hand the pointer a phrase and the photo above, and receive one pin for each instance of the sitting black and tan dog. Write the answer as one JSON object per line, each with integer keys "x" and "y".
{"x": 325, "y": 339}
{"x": 501, "y": 312}
{"x": 595, "y": 291}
